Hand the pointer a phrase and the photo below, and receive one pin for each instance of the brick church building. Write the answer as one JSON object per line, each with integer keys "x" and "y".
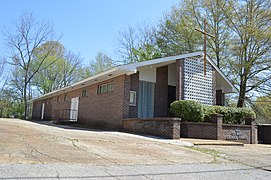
{"x": 137, "y": 90}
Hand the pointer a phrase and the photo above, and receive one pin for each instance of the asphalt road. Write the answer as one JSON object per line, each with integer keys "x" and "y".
{"x": 180, "y": 171}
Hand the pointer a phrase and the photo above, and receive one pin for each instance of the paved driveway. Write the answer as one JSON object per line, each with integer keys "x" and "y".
{"x": 31, "y": 150}
{"x": 255, "y": 155}
{"x": 29, "y": 142}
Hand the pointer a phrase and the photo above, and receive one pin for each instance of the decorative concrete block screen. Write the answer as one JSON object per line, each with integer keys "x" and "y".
{"x": 196, "y": 86}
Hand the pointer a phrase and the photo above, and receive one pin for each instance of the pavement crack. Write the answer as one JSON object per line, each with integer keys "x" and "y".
{"x": 41, "y": 153}
{"x": 111, "y": 175}
{"x": 74, "y": 141}
{"x": 57, "y": 175}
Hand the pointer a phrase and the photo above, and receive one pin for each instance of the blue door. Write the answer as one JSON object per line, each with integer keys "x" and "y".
{"x": 146, "y": 99}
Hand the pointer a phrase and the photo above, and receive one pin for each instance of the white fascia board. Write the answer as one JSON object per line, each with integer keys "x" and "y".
{"x": 222, "y": 74}
{"x": 78, "y": 85}
{"x": 133, "y": 67}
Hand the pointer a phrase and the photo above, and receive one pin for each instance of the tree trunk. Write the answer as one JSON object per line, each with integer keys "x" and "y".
{"x": 25, "y": 100}
{"x": 242, "y": 93}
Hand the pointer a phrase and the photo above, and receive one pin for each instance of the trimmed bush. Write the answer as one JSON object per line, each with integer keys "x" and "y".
{"x": 231, "y": 115}
{"x": 194, "y": 111}
{"x": 188, "y": 110}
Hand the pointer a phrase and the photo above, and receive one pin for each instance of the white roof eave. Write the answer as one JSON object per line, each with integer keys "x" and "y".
{"x": 131, "y": 69}
{"x": 234, "y": 90}
{"x": 85, "y": 82}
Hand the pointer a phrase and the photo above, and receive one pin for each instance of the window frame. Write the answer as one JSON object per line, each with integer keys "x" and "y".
{"x": 58, "y": 99}
{"x": 104, "y": 88}
{"x": 85, "y": 93}
{"x": 66, "y": 97}
{"x": 134, "y": 98}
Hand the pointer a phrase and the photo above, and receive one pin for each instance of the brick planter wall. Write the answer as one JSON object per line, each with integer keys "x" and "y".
{"x": 216, "y": 130}
{"x": 241, "y": 133}
{"x": 163, "y": 127}
{"x": 198, "y": 130}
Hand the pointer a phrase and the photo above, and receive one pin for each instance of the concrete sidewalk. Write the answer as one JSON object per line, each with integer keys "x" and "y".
{"x": 201, "y": 142}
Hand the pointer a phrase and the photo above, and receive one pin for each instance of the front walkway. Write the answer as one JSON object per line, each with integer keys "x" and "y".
{"x": 200, "y": 142}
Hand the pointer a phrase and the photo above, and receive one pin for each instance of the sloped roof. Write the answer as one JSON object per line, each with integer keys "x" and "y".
{"x": 131, "y": 69}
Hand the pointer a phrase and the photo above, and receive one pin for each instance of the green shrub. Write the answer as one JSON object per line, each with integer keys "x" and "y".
{"x": 231, "y": 115}
{"x": 188, "y": 110}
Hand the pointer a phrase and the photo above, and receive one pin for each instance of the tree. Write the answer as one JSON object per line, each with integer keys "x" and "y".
{"x": 101, "y": 63}
{"x": 250, "y": 50}
{"x": 262, "y": 107}
{"x": 147, "y": 52}
{"x": 60, "y": 69}
{"x": 134, "y": 42}
{"x": 176, "y": 33}
{"x": 22, "y": 44}
{"x": 214, "y": 12}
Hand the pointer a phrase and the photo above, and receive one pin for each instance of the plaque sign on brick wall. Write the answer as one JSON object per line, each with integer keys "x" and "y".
{"x": 236, "y": 135}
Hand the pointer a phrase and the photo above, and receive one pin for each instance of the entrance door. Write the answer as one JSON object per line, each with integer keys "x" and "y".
{"x": 42, "y": 111}
{"x": 146, "y": 99}
{"x": 171, "y": 97}
{"x": 74, "y": 109}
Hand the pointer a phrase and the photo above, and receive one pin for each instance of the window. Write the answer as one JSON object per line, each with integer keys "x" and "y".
{"x": 132, "y": 98}
{"x": 65, "y": 97}
{"x": 104, "y": 88}
{"x": 48, "y": 101}
{"x": 85, "y": 93}
{"x": 110, "y": 87}
{"x": 58, "y": 99}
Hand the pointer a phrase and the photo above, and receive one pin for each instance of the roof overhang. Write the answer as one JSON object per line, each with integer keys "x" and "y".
{"x": 133, "y": 68}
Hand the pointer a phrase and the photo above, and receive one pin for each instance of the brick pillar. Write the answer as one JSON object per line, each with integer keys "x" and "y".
{"x": 176, "y": 128}
{"x": 218, "y": 119}
{"x": 161, "y": 92}
{"x": 134, "y": 86}
{"x": 126, "y": 96}
{"x": 180, "y": 79}
{"x": 253, "y": 130}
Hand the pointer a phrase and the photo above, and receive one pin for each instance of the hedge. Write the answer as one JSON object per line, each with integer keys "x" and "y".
{"x": 231, "y": 115}
{"x": 190, "y": 110}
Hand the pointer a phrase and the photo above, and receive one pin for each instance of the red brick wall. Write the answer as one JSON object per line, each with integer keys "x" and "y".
{"x": 216, "y": 130}
{"x": 230, "y": 133}
{"x": 214, "y": 86}
{"x": 100, "y": 110}
{"x": 180, "y": 79}
{"x": 134, "y": 86}
{"x": 164, "y": 127}
{"x": 36, "y": 113}
{"x": 161, "y": 92}
{"x": 199, "y": 130}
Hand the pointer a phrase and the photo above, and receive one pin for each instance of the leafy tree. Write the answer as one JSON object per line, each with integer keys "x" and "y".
{"x": 249, "y": 59}
{"x": 214, "y": 12}
{"x": 262, "y": 107}
{"x": 147, "y": 52}
{"x": 60, "y": 69}
{"x": 241, "y": 46}
{"x": 22, "y": 44}
{"x": 176, "y": 33}
{"x": 101, "y": 63}
{"x": 134, "y": 42}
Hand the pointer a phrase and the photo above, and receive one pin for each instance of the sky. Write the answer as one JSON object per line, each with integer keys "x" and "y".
{"x": 86, "y": 26}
